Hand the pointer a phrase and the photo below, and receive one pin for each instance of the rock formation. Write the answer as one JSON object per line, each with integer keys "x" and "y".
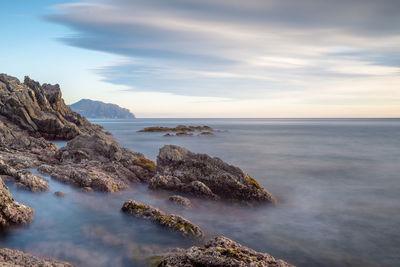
{"x": 218, "y": 252}
{"x": 40, "y": 110}
{"x": 179, "y": 128}
{"x": 180, "y": 170}
{"x": 100, "y": 110}
{"x": 12, "y": 212}
{"x": 16, "y": 258}
{"x": 171, "y": 221}
{"x": 181, "y": 201}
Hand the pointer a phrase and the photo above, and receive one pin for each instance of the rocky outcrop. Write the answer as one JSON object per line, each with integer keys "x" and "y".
{"x": 180, "y": 201}
{"x": 100, "y": 110}
{"x": 97, "y": 161}
{"x": 23, "y": 178}
{"x": 40, "y": 110}
{"x": 16, "y": 258}
{"x": 12, "y": 212}
{"x": 218, "y": 252}
{"x": 179, "y": 128}
{"x": 200, "y": 175}
{"x": 171, "y": 221}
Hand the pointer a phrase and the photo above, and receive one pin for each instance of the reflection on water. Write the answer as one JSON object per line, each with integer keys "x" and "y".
{"x": 337, "y": 181}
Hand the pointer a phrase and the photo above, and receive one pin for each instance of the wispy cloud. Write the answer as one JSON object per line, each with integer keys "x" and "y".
{"x": 242, "y": 49}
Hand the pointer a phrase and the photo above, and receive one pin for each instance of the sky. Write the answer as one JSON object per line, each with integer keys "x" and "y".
{"x": 212, "y": 58}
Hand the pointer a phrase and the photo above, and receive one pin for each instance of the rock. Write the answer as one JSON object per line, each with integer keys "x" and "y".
{"x": 16, "y": 258}
{"x": 206, "y": 133}
{"x": 98, "y": 161}
{"x": 168, "y": 135}
{"x": 24, "y": 179}
{"x": 218, "y": 252}
{"x": 171, "y": 221}
{"x": 180, "y": 170}
{"x": 59, "y": 194}
{"x": 40, "y": 110}
{"x": 100, "y": 110}
{"x": 184, "y": 133}
{"x": 181, "y": 201}
{"x": 179, "y": 128}
{"x": 12, "y": 212}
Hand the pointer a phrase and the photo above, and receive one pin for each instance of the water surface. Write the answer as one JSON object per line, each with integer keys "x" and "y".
{"x": 337, "y": 182}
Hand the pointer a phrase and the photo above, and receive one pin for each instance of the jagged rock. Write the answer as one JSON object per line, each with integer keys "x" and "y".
{"x": 181, "y": 201}
{"x": 218, "y": 252}
{"x": 12, "y": 212}
{"x": 24, "y": 179}
{"x": 40, "y": 110}
{"x": 171, "y": 221}
{"x": 16, "y": 258}
{"x": 97, "y": 161}
{"x": 180, "y": 170}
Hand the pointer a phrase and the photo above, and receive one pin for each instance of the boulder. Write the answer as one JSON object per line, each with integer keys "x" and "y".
{"x": 173, "y": 222}
{"x": 181, "y": 170}
{"x": 220, "y": 251}
{"x": 16, "y": 258}
{"x": 12, "y": 212}
{"x": 181, "y": 201}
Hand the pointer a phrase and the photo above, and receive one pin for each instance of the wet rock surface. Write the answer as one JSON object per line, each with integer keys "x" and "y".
{"x": 11, "y": 211}
{"x": 16, "y": 258}
{"x": 220, "y": 251}
{"x": 181, "y": 170}
{"x": 171, "y": 221}
{"x": 180, "y": 201}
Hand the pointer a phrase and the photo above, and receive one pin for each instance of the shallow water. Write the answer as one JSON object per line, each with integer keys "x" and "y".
{"x": 337, "y": 181}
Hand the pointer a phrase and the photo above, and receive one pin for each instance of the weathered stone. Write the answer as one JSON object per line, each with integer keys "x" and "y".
{"x": 171, "y": 221}
{"x": 218, "y": 252}
{"x": 24, "y": 179}
{"x": 40, "y": 110}
{"x": 16, "y": 258}
{"x": 12, "y": 212}
{"x": 180, "y": 170}
{"x": 180, "y": 200}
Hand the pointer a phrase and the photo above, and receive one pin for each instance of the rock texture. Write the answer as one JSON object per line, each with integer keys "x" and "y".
{"x": 100, "y": 110}
{"x": 171, "y": 221}
{"x": 218, "y": 252}
{"x": 40, "y": 110}
{"x": 97, "y": 161}
{"x": 179, "y": 128}
{"x": 12, "y": 212}
{"x": 180, "y": 200}
{"x": 200, "y": 175}
{"x": 16, "y": 258}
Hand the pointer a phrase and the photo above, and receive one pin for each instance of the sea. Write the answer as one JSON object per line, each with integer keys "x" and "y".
{"x": 337, "y": 182}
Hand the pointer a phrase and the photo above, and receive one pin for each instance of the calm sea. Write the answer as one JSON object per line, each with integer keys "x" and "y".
{"x": 337, "y": 181}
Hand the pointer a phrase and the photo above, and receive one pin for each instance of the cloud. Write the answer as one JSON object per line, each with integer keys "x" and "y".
{"x": 238, "y": 49}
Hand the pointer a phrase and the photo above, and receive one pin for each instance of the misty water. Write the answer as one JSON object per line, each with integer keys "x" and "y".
{"x": 337, "y": 181}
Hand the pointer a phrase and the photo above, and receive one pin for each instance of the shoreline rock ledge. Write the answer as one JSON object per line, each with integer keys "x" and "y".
{"x": 200, "y": 175}
{"x": 220, "y": 251}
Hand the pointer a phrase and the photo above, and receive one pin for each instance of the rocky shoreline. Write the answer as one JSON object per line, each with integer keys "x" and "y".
{"x": 32, "y": 114}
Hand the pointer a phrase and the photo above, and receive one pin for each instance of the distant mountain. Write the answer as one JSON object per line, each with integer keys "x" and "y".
{"x": 100, "y": 110}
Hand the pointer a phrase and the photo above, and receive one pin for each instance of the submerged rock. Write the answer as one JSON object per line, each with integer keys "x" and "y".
{"x": 59, "y": 194}
{"x": 206, "y": 133}
{"x": 12, "y": 212}
{"x": 218, "y": 252}
{"x": 171, "y": 221}
{"x": 181, "y": 170}
{"x": 16, "y": 258}
{"x": 181, "y": 201}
